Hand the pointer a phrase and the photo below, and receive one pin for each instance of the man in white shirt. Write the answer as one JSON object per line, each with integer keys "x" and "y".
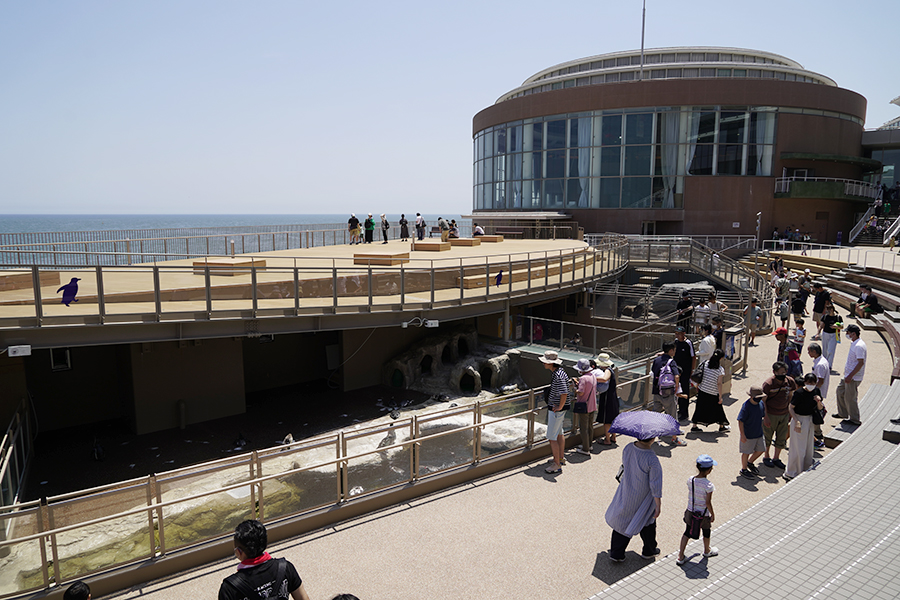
{"x": 822, "y": 371}
{"x": 854, "y": 370}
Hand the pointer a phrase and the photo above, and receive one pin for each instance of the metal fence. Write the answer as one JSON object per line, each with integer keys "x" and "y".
{"x": 15, "y": 452}
{"x": 293, "y": 286}
{"x": 851, "y": 187}
{"x": 67, "y": 537}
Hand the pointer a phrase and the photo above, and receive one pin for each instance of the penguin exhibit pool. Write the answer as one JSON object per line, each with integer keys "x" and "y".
{"x": 206, "y": 501}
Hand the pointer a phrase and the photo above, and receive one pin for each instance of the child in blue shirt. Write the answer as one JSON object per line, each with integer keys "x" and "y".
{"x": 750, "y": 422}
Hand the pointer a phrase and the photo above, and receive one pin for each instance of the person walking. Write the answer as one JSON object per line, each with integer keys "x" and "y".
{"x": 805, "y": 402}
{"x": 822, "y": 370}
{"x": 404, "y": 228}
{"x": 707, "y": 344}
{"x": 820, "y": 299}
{"x": 700, "y": 507}
{"x": 750, "y": 422}
{"x": 585, "y": 406}
{"x": 708, "y": 409}
{"x": 686, "y": 359}
{"x": 370, "y": 228}
{"x": 854, "y": 371}
{"x": 753, "y": 313}
{"x": 353, "y": 228}
{"x": 637, "y": 502}
{"x": 557, "y": 405}
{"x": 831, "y": 324}
{"x": 666, "y": 384}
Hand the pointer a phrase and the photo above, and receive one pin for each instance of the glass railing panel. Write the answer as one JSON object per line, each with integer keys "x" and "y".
{"x": 128, "y": 291}
{"x": 17, "y": 291}
{"x": 631, "y": 389}
{"x": 296, "y": 492}
{"x": 104, "y": 545}
{"x": 182, "y": 288}
{"x": 20, "y": 562}
{"x": 501, "y": 434}
{"x": 450, "y": 449}
{"x": 211, "y": 515}
{"x": 75, "y": 294}
{"x": 376, "y": 471}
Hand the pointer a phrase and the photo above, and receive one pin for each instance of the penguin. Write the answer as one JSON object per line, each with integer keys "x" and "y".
{"x": 70, "y": 290}
{"x": 288, "y": 439}
{"x": 499, "y": 277}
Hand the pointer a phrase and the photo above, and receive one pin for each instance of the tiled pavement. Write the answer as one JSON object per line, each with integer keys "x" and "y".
{"x": 833, "y": 532}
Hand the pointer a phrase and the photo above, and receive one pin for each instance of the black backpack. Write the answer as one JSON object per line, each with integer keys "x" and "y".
{"x": 239, "y": 582}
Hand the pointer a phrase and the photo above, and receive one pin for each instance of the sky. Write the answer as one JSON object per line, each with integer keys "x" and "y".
{"x": 298, "y": 107}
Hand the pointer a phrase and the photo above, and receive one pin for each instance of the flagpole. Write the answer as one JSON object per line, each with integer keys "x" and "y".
{"x": 643, "y": 24}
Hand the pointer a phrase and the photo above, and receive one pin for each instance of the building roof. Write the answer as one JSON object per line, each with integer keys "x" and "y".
{"x": 700, "y": 62}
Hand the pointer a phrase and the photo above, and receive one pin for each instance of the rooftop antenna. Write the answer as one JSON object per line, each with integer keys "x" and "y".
{"x": 643, "y": 25}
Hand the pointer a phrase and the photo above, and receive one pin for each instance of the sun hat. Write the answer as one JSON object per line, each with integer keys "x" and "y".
{"x": 583, "y": 365}
{"x": 705, "y": 461}
{"x": 603, "y": 360}
{"x": 550, "y": 357}
{"x": 780, "y": 331}
{"x": 756, "y": 392}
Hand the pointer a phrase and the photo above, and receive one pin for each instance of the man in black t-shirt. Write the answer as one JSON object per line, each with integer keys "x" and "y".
{"x": 259, "y": 575}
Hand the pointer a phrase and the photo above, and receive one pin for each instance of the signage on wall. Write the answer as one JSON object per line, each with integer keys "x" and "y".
{"x": 735, "y": 224}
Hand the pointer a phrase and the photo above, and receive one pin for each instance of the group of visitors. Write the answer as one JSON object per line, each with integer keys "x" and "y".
{"x": 592, "y": 397}
{"x": 692, "y": 317}
{"x": 364, "y": 232}
{"x": 791, "y": 234}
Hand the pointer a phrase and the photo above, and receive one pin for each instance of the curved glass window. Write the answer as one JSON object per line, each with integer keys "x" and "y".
{"x": 618, "y": 159}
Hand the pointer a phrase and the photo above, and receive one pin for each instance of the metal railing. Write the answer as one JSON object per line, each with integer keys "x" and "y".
{"x": 720, "y": 243}
{"x": 860, "y": 224}
{"x": 852, "y": 255}
{"x": 67, "y": 537}
{"x": 852, "y": 187}
{"x": 293, "y": 286}
{"x": 15, "y": 454}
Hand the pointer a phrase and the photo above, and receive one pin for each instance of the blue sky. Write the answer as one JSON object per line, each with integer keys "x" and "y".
{"x": 308, "y": 107}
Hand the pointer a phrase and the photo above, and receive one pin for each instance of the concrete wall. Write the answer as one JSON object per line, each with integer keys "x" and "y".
{"x": 96, "y": 388}
{"x": 367, "y": 357}
{"x": 13, "y": 387}
{"x": 286, "y": 360}
{"x": 209, "y": 377}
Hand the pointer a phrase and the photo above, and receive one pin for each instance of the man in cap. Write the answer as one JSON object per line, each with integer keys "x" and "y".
{"x": 685, "y": 310}
{"x": 848, "y": 389}
{"x": 557, "y": 404}
{"x": 750, "y": 422}
{"x": 353, "y": 228}
{"x": 778, "y": 390}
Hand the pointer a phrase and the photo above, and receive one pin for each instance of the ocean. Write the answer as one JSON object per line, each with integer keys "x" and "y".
{"x": 53, "y": 223}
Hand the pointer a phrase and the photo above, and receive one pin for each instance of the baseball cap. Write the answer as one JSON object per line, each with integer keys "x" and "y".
{"x": 782, "y": 331}
{"x": 705, "y": 461}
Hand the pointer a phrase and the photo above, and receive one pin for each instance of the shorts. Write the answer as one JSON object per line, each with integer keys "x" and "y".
{"x": 753, "y": 445}
{"x": 555, "y": 423}
{"x": 753, "y": 327}
{"x": 817, "y": 317}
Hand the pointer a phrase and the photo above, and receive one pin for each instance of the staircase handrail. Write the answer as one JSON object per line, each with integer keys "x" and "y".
{"x": 891, "y": 231}
{"x": 857, "y": 229}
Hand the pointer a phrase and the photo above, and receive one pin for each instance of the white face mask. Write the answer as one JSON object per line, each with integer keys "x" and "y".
{"x": 810, "y": 387}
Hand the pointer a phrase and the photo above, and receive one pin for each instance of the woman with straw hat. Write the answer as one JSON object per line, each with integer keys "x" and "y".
{"x": 607, "y": 396}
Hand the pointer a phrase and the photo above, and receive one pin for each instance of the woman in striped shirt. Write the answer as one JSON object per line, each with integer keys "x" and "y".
{"x": 709, "y": 409}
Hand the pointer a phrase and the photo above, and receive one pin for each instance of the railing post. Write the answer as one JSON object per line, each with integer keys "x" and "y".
{"x": 487, "y": 279}
{"x": 462, "y": 287}
{"x": 402, "y": 286}
{"x": 36, "y": 288}
{"x": 530, "y": 433}
{"x": 343, "y": 490}
{"x": 476, "y": 437}
{"x": 157, "y": 300}
{"x": 432, "y": 284}
{"x": 546, "y": 270}
{"x": 253, "y": 292}
{"x": 369, "y": 280}
{"x": 101, "y": 306}
{"x": 334, "y": 286}
{"x": 208, "y": 288}
{"x": 415, "y": 448}
{"x": 510, "y": 273}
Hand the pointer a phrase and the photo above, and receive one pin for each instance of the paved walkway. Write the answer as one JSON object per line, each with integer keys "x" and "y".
{"x": 525, "y": 534}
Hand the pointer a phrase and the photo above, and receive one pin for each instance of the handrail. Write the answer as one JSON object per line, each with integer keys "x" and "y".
{"x": 53, "y": 547}
{"x": 852, "y": 187}
{"x": 891, "y": 231}
{"x": 15, "y": 453}
{"x": 854, "y": 233}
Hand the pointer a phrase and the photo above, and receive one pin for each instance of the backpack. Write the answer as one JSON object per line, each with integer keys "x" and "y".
{"x": 666, "y": 380}
{"x": 240, "y": 583}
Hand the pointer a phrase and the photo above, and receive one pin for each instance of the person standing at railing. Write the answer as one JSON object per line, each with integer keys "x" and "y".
{"x": 385, "y": 228}
{"x": 420, "y": 227}
{"x": 404, "y": 228}
{"x": 370, "y": 228}
{"x": 585, "y": 407}
{"x": 685, "y": 310}
{"x": 353, "y": 228}
{"x": 557, "y": 405}
{"x": 607, "y": 395}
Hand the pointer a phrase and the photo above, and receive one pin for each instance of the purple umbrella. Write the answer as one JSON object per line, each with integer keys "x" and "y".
{"x": 644, "y": 424}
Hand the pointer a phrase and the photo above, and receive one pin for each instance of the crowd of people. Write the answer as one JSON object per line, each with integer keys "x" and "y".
{"x": 363, "y": 232}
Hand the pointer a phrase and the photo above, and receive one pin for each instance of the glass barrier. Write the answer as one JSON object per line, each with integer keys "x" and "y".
{"x": 501, "y": 433}
{"x": 74, "y": 296}
{"x": 451, "y": 449}
{"x": 298, "y": 491}
{"x": 128, "y": 291}
{"x": 274, "y": 287}
{"x": 17, "y": 291}
{"x": 20, "y": 563}
{"x": 372, "y": 472}
{"x": 104, "y": 545}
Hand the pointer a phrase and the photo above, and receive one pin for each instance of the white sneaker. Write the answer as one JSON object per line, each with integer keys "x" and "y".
{"x": 712, "y": 552}
{"x": 581, "y": 450}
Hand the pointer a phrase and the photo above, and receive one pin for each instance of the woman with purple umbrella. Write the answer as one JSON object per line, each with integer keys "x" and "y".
{"x": 638, "y": 499}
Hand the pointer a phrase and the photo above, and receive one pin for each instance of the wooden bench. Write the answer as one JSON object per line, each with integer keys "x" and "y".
{"x": 510, "y": 231}
{"x": 465, "y": 241}
{"x": 229, "y": 266}
{"x": 381, "y": 259}
{"x": 430, "y": 246}
{"x": 434, "y": 230}
{"x": 490, "y": 239}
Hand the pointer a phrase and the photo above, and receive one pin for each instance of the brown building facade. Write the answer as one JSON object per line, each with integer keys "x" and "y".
{"x": 697, "y": 142}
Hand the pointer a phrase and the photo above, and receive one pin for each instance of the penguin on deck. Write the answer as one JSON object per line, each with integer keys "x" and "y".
{"x": 499, "y": 277}
{"x": 70, "y": 290}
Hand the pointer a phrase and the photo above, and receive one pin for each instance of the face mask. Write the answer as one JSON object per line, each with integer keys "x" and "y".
{"x": 809, "y": 388}
{"x": 780, "y": 377}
